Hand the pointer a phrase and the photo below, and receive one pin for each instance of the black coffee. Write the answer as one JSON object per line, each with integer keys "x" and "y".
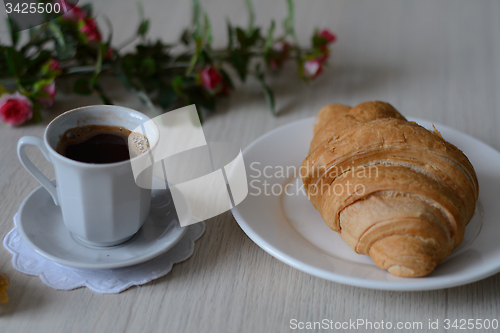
{"x": 96, "y": 144}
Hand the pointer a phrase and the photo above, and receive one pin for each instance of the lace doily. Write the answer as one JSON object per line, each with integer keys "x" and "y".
{"x": 106, "y": 281}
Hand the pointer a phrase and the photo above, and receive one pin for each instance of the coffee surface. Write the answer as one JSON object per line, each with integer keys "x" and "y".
{"x": 99, "y": 144}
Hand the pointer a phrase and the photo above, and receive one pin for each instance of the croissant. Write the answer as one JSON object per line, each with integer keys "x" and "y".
{"x": 391, "y": 188}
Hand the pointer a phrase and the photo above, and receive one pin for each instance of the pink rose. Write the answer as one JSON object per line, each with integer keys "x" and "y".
{"x": 210, "y": 78}
{"x": 87, "y": 25}
{"x": 54, "y": 65}
{"x": 50, "y": 90}
{"x": 326, "y": 34}
{"x": 15, "y": 109}
{"x": 89, "y": 29}
{"x": 312, "y": 68}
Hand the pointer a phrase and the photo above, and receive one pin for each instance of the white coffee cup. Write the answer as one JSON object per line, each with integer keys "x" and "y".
{"x": 101, "y": 204}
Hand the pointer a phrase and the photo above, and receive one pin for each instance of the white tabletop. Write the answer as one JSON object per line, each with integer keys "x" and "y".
{"x": 435, "y": 60}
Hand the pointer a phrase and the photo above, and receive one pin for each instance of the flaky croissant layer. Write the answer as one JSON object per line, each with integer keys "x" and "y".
{"x": 391, "y": 188}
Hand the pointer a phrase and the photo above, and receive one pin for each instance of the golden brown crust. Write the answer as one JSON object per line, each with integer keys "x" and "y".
{"x": 391, "y": 188}
{"x": 329, "y": 112}
{"x": 345, "y": 117}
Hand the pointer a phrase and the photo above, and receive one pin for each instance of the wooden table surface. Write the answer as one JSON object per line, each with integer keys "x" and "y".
{"x": 436, "y": 60}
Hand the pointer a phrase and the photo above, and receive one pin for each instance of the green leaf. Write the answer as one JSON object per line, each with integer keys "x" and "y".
{"x": 270, "y": 40}
{"x": 289, "y": 22}
{"x": 229, "y": 35}
{"x": 35, "y": 64}
{"x": 205, "y": 57}
{"x": 269, "y": 96}
{"x": 242, "y": 39}
{"x": 37, "y": 87}
{"x": 268, "y": 93}
{"x": 254, "y": 37}
{"x": 166, "y": 97}
{"x": 101, "y": 51}
{"x": 207, "y": 31}
{"x": 14, "y": 36}
{"x": 318, "y": 40}
{"x": 147, "y": 67}
{"x": 239, "y": 61}
{"x": 15, "y": 61}
{"x": 82, "y": 86}
{"x": 251, "y": 16}
{"x": 94, "y": 81}
{"x": 57, "y": 33}
{"x": 195, "y": 56}
{"x": 128, "y": 62}
{"x": 227, "y": 78}
{"x": 143, "y": 28}
{"x": 68, "y": 50}
{"x": 196, "y": 18}
{"x": 87, "y": 8}
{"x": 177, "y": 84}
{"x": 185, "y": 36}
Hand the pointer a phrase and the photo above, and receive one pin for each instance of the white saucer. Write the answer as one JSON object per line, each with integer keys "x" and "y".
{"x": 41, "y": 226}
{"x": 287, "y": 226}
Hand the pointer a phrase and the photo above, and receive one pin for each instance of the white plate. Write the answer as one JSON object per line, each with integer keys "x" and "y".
{"x": 287, "y": 226}
{"x": 41, "y": 226}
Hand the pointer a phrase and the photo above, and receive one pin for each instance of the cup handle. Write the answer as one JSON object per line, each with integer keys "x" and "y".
{"x": 28, "y": 165}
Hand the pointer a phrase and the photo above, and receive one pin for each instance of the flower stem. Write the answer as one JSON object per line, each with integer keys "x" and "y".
{"x": 85, "y": 69}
